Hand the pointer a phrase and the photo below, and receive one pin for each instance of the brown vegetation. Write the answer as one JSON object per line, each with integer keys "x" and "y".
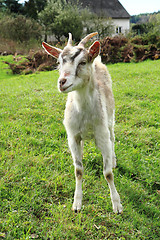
{"x": 113, "y": 50}
{"x": 122, "y": 49}
{"x": 38, "y": 61}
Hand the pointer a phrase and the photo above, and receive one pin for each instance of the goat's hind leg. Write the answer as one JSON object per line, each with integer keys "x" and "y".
{"x": 117, "y": 206}
{"x": 112, "y": 138}
{"x": 104, "y": 142}
{"x": 76, "y": 151}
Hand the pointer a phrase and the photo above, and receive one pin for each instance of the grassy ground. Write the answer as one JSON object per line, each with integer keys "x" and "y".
{"x": 37, "y": 176}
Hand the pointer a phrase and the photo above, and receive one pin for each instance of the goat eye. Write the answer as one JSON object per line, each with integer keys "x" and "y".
{"x": 82, "y": 63}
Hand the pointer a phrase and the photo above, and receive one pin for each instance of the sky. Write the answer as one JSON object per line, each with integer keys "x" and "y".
{"x": 135, "y": 7}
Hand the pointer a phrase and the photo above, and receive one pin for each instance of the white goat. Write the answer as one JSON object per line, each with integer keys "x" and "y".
{"x": 89, "y": 109}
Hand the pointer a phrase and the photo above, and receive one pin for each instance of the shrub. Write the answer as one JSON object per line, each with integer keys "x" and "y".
{"x": 139, "y": 40}
{"x": 151, "y": 38}
{"x": 38, "y": 61}
{"x": 19, "y": 28}
{"x": 111, "y": 49}
{"x": 122, "y": 49}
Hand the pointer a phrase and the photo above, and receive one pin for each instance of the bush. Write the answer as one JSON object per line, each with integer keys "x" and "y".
{"x": 151, "y": 38}
{"x": 10, "y": 47}
{"x": 19, "y": 28}
{"x": 139, "y": 40}
{"x": 38, "y": 61}
{"x": 122, "y": 49}
{"x": 111, "y": 49}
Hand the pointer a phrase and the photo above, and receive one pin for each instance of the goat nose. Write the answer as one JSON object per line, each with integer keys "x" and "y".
{"x": 62, "y": 81}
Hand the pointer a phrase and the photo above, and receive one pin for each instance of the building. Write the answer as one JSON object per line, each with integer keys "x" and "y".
{"x": 110, "y": 9}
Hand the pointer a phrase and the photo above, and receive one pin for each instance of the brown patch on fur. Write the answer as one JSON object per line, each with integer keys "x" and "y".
{"x": 109, "y": 177}
{"x": 79, "y": 173}
{"x": 78, "y": 139}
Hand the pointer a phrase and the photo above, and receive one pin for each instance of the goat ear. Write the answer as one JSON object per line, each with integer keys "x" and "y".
{"x": 53, "y": 51}
{"x": 94, "y": 50}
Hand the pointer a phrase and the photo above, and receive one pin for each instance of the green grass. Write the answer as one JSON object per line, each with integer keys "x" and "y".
{"x": 37, "y": 176}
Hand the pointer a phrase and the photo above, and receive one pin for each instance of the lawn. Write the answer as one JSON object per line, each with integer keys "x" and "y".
{"x": 37, "y": 176}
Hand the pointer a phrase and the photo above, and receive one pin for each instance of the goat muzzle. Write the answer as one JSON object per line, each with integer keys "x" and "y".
{"x": 62, "y": 82}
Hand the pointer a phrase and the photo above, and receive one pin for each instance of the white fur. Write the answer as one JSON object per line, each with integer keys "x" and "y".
{"x": 88, "y": 114}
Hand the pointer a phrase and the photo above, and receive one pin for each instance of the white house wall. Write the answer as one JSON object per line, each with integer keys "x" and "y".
{"x": 124, "y": 24}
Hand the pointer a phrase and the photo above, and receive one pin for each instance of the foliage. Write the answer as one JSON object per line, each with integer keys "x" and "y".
{"x": 151, "y": 26}
{"x": 33, "y": 7}
{"x": 141, "y": 28}
{"x": 10, "y": 47}
{"x": 67, "y": 21}
{"x": 19, "y": 28}
{"x": 123, "y": 49}
{"x": 37, "y": 175}
{"x": 47, "y": 17}
{"x": 38, "y": 61}
{"x": 142, "y": 18}
{"x": 11, "y": 5}
{"x": 30, "y": 8}
{"x": 60, "y": 18}
{"x": 94, "y": 23}
{"x": 155, "y": 21}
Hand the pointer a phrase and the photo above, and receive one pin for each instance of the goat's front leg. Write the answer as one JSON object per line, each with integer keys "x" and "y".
{"x": 75, "y": 145}
{"x": 104, "y": 143}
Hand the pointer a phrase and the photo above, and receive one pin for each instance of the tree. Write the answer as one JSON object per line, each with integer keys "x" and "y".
{"x": 2, "y": 5}
{"x": 48, "y": 15}
{"x": 33, "y": 7}
{"x": 60, "y": 18}
{"x": 155, "y": 21}
{"x": 94, "y": 23}
{"x": 67, "y": 21}
{"x": 30, "y": 9}
{"x": 12, "y": 5}
{"x": 40, "y": 4}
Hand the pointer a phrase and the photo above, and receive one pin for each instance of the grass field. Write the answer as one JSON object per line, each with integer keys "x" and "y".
{"x": 37, "y": 176}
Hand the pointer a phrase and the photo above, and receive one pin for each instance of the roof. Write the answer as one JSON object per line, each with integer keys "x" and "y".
{"x": 109, "y": 8}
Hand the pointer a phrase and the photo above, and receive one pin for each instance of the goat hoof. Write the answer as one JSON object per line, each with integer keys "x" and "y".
{"x": 118, "y": 209}
{"x": 119, "y": 212}
{"x": 76, "y": 210}
{"x": 76, "y": 207}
